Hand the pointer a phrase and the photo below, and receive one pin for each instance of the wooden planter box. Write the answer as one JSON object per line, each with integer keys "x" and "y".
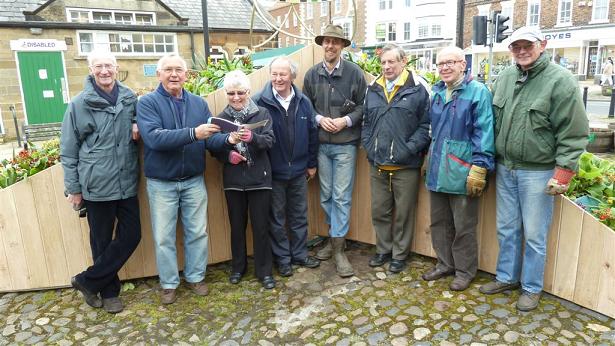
{"x": 43, "y": 242}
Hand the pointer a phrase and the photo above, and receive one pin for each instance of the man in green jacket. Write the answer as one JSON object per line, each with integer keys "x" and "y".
{"x": 540, "y": 131}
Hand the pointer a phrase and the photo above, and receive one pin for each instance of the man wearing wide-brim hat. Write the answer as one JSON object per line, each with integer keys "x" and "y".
{"x": 540, "y": 131}
{"x": 336, "y": 89}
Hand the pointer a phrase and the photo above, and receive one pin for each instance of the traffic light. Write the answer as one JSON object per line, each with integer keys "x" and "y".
{"x": 500, "y": 27}
{"x": 479, "y": 30}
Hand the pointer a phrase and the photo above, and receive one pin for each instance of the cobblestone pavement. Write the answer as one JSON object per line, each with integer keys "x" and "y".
{"x": 312, "y": 307}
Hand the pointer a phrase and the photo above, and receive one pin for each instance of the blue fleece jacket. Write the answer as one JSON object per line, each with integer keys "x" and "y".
{"x": 287, "y": 163}
{"x": 171, "y": 148}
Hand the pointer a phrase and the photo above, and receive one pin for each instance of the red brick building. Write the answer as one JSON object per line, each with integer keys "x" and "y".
{"x": 580, "y": 33}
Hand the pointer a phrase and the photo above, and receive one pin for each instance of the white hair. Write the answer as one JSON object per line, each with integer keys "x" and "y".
{"x": 166, "y": 57}
{"x": 99, "y": 54}
{"x": 236, "y": 79}
{"x": 454, "y": 50}
{"x": 291, "y": 65}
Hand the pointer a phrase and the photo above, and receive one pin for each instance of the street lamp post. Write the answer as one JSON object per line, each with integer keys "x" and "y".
{"x": 205, "y": 30}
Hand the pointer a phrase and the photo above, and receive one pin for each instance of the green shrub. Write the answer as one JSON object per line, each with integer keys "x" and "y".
{"x": 29, "y": 162}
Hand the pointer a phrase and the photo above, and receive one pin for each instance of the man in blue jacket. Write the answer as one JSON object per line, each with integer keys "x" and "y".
{"x": 173, "y": 124}
{"x": 395, "y": 136}
{"x": 293, "y": 162}
{"x": 462, "y": 151}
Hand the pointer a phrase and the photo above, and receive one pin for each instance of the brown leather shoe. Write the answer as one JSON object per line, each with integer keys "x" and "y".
{"x": 460, "y": 284}
{"x": 168, "y": 296}
{"x": 436, "y": 273}
{"x": 199, "y": 288}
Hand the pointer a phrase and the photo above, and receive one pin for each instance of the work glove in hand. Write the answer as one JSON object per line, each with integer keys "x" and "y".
{"x": 558, "y": 184}
{"x": 476, "y": 181}
{"x": 235, "y": 158}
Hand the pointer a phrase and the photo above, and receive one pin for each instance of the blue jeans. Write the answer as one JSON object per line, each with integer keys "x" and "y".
{"x": 336, "y": 166}
{"x": 523, "y": 214}
{"x": 288, "y": 220}
{"x": 166, "y": 199}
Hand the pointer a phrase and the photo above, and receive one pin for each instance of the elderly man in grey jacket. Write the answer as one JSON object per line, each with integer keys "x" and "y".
{"x": 98, "y": 151}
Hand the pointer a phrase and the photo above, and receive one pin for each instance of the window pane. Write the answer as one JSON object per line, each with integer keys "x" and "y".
{"x": 86, "y": 47}
{"x": 85, "y": 37}
{"x": 101, "y": 17}
{"x": 170, "y": 48}
{"x": 138, "y": 48}
{"x": 158, "y": 39}
{"x": 123, "y": 18}
{"x": 137, "y": 38}
{"x": 144, "y": 19}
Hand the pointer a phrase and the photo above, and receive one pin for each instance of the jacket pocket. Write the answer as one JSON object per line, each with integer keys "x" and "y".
{"x": 539, "y": 142}
{"x": 498, "y": 112}
{"x": 454, "y": 166}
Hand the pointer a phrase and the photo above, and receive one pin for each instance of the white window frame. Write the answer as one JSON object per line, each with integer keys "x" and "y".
{"x": 90, "y": 12}
{"x": 407, "y": 31}
{"x": 600, "y": 20}
{"x": 391, "y": 29}
{"x": 429, "y": 25}
{"x": 309, "y": 10}
{"x": 382, "y": 5}
{"x": 324, "y": 8}
{"x": 508, "y": 9}
{"x": 100, "y": 41}
{"x": 337, "y": 6}
{"x": 433, "y": 30}
{"x": 384, "y": 38}
{"x": 408, "y": 3}
{"x": 423, "y": 26}
{"x": 217, "y": 56}
{"x": 294, "y": 19}
{"x": 245, "y": 49}
{"x": 530, "y": 15}
{"x": 560, "y": 7}
{"x": 287, "y": 21}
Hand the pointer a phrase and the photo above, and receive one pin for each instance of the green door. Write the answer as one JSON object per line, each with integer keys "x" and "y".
{"x": 43, "y": 86}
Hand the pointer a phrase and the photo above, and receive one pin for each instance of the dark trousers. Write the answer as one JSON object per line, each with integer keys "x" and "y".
{"x": 288, "y": 219}
{"x": 394, "y": 197}
{"x": 110, "y": 253}
{"x": 257, "y": 202}
{"x": 453, "y": 232}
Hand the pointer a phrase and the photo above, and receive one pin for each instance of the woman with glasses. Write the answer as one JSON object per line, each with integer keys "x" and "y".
{"x": 247, "y": 179}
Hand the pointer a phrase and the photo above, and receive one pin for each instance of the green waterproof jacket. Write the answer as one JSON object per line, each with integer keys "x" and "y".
{"x": 540, "y": 121}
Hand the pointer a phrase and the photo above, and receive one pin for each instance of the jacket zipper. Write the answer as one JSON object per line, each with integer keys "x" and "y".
{"x": 391, "y": 154}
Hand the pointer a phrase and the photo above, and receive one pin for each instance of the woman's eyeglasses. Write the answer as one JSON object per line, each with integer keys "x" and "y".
{"x": 238, "y": 93}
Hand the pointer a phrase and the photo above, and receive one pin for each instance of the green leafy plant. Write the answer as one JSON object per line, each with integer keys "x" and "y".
{"x": 29, "y": 162}
{"x": 595, "y": 179}
{"x": 209, "y": 75}
{"x": 372, "y": 66}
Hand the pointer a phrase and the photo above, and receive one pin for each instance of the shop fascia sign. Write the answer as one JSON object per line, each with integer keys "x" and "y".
{"x": 558, "y": 36}
{"x": 37, "y": 45}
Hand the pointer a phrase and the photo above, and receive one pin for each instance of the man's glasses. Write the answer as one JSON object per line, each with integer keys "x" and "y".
{"x": 238, "y": 93}
{"x": 516, "y": 48}
{"x": 170, "y": 70}
{"x": 100, "y": 67}
{"x": 448, "y": 63}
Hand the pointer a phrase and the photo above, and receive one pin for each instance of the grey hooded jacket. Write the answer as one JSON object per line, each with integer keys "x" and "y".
{"x": 99, "y": 157}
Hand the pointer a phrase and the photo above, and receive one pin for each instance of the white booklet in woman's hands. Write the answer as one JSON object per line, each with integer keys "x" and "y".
{"x": 227, "y": 126}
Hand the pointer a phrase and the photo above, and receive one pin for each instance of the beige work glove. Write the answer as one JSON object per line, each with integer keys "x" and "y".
{"x": 476, "y": 181}
{"x": 558, "y": 184}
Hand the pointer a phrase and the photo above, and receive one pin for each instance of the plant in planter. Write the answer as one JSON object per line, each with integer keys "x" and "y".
{"x": 592, "y": 188}
{"x": 209, "y": 76}
{"x": 29, "y": 162}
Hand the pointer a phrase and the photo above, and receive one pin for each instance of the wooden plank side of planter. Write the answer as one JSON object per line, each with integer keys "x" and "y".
{"x": 16, "y": 276}
{"x": 361, "y": 221}
{"x": 552, "y": 244}
{"x": 31, "y": 234}
{"x": 70, "y": 227}
{"x": 568, "y": 251}
{"x": 487, "y": 231}
{"x": 218, "y": 223}
{"x": 589, "y": 265}
{"x": 148, "y": 262}
{"x": 421, "y": 242}
{"x": 51, "y": 233}
{"x": 606, "y": 287}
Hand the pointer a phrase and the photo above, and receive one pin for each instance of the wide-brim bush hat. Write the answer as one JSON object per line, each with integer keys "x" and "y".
{"x": 335, "y": 31}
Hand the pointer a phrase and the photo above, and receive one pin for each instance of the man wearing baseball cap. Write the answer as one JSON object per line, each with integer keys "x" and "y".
{"x": 540, "y": 131}
{"x": 336, "y": 89}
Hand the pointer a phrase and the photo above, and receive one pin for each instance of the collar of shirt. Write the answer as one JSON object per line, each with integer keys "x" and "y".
{"x": 285, "y": 102}
{"x": 324, "y": 64}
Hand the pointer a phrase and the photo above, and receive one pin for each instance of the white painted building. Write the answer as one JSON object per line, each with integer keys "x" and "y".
{"x": 421, "y": 27}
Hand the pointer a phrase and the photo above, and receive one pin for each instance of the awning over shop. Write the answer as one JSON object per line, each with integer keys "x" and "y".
{"x": 263, "y": 58}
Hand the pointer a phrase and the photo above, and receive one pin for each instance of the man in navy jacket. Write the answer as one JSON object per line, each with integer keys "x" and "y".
{"x": 173, "y": 125}
{"x": 293, "y": 162}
